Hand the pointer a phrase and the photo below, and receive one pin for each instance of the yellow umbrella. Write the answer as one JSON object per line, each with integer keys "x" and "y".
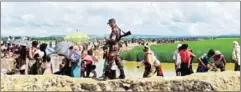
{"x": 77, "y": 37}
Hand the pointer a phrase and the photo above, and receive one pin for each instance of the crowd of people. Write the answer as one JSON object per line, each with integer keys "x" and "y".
{"x": 183, "y": 57}
{"x": 80, "y": 60}
{"x": 212, "y": 61}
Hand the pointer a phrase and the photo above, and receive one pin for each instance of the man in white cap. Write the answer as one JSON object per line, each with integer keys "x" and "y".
{"x": 177, "y": 60}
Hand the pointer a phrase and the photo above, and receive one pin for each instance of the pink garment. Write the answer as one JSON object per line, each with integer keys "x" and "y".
{"x": 185, "y": 55}
{"x": 84, "y": 54}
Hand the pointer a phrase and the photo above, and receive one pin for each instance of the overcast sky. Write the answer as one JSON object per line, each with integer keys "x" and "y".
{"x": 156, "y": 18}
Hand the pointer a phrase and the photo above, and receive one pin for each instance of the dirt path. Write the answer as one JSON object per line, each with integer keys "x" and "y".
{"x": 221, "y": 81}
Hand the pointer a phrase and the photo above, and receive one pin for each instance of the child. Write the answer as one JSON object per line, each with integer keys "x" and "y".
{"x": 48, "y": 69}
{"x": 111, "y": 67}
{"x": 204, "y": 61}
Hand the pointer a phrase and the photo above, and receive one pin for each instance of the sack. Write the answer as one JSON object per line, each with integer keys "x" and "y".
{"x": 160, "y": 72}
{"x": 157, "y": 63}
{"x": 113, "y": 66}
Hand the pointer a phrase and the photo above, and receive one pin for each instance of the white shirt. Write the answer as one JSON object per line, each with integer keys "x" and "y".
{"x": 177, "y": 58}
{"x": 236, "y": 55}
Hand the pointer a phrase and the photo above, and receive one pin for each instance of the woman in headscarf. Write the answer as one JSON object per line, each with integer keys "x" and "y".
{"x": 177, "y": 60}
{"x": 75, "y": 59}
{"x": 148, "y": 62}
{"x": 236, "y": 55}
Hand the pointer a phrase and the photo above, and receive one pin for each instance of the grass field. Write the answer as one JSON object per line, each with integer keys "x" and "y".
{"x": 164, "y": 52}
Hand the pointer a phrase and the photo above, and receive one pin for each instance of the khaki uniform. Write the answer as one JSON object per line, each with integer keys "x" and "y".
{"x": 114, "y": 50}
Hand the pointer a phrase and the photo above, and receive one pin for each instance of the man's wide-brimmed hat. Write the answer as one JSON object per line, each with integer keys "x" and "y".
{"x": 112, "y": 20}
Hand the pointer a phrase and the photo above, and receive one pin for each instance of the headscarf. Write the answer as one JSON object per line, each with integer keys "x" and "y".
{"x": 76, "y": 48}
{"x": 236, "y": 45}
{"x": 150, "y": 55}
{"x": 236, "y": 52}
{"x": 217, "y": 52}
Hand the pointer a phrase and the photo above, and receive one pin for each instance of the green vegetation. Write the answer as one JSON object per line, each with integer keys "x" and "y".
{"x": 164, "y": 52}
{"x": 46, "y": 38}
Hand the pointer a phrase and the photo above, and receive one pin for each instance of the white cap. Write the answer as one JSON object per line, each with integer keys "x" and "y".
{"x": 217, "y": 52}
{"x": 179, "y": 45}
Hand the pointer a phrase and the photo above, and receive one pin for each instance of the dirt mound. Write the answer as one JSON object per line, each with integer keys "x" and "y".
{"x": 7, "y": 63}
{"x": 222, "y": 81}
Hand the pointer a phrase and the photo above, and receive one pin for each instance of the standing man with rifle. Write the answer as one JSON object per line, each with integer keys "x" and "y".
{"x": 113, "y": 48}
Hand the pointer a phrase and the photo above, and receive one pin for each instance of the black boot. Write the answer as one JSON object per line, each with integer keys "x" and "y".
{"x": 122, "y": 74}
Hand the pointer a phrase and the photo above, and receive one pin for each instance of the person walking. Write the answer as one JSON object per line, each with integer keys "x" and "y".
{"x": 151, "y": 67}
{"x": 236, "y": 55}
{"x": 186, "y": 56}
{"x": 148, "y": 62}
{"x": 113, "y": 40}
{"x": 177, "y": 60}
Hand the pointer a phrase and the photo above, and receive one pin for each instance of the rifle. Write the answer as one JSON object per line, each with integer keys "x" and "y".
{"x": 125, "y": 34}
{"x": 118, "y": 39}
{"x": 111, "y": 42}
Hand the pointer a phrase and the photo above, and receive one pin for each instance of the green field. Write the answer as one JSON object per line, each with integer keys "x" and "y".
{"x": 164, "y": 52}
